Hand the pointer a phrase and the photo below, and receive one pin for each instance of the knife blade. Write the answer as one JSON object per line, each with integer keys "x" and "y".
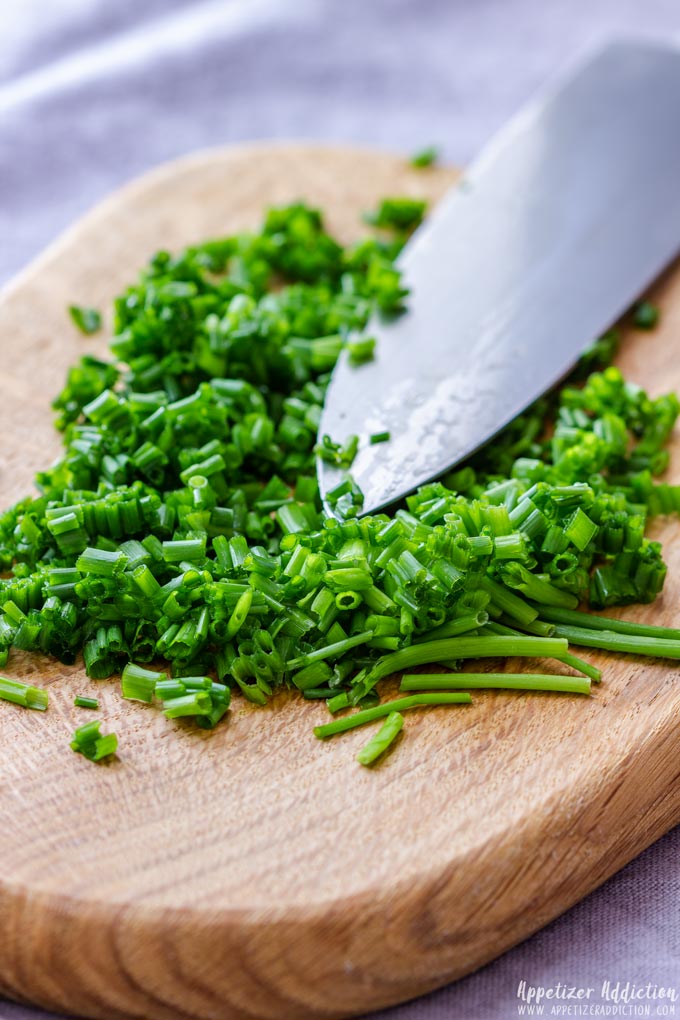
{"x": 559, "y": 225}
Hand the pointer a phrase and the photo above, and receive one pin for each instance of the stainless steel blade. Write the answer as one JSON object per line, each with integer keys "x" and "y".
{"x": 560, "y": 224}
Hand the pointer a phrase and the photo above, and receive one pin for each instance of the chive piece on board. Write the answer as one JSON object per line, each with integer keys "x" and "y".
{"x": 366, "y": 715}
{"x": 425, "y": 157}
{"x": 82, "y": 702}
{"x": 88, "y": 320}
{"x": 90, "y": 742}
{"x": 500, "y": 681}
{"x": 381, "y": 741}
{"x": 23, "y": 694}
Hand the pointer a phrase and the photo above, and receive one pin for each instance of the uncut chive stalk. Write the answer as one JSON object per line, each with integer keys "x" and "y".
{"x": 574, "y": 618}
{"x": 466, "y": 648}
{"x": 23, "y": 694}
{"x": 567, "y": 659}
{"x": 379, "y": 743}
{"x": 502, "y": 681}
{"x": 661, "y": 648}
{"x": 366, "y": 715}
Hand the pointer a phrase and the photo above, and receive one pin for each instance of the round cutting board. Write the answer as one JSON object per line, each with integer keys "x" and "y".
{"x": 255, "y": 872}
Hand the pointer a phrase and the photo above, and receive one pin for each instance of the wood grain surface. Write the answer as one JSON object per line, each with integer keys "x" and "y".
{"x": 255, "y": 872}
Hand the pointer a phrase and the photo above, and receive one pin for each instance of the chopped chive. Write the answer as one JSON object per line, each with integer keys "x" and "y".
{"x": 380, "y": 742}
{"x": 193, "y": 703}
{"x": 139, "y": 684}
{"x": 88, "y": 741}
{"x": 379, "y": 437}
{"x": 101, "y": 562}
{"x": 168, "y": 689}
{"x": 184, "y": 549}
{"x": 645, "y": 315}
{"x": 504, "y": 681}
{"x": 338, "y": 702}
{"x": 82, "y": 702}
{"x": 515, "y": 575}
{"x": 103, "y": 748}
{"x": 397, "y": 213}
{"x": 580, "y": 530}
{"x": 312, "y": 675}
{"x": 366, "y": 715}
{"x": 88, "y": 320}
{"x": 23, "y": 694}
{"x": 331, "y": 651}
{"x": 425, "y": 157}
{"x": 209, "y": 720}
{"x": 361, "y": 351}
{"x": 239, "y": 615}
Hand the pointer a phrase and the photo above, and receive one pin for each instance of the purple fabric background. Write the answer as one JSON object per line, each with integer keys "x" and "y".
{"x": 94, "y": 92}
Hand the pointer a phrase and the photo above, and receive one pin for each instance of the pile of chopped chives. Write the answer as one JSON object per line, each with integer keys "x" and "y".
{"x": 183, "y": 527}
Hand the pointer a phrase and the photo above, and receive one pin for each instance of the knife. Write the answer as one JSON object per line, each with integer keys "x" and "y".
{"x": 559, "y": 225}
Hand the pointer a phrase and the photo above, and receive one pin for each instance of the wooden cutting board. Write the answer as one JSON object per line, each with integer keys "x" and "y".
{"x": 256, "y": 872}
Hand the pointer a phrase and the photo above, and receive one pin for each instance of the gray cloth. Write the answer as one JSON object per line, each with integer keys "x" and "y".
{"x": 93, "y": 93}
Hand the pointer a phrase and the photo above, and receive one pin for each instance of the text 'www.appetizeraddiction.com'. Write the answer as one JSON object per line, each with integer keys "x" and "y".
{"x": 610, "y": 999}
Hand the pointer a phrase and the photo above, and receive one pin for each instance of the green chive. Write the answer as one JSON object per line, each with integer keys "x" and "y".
{"x": 645, "y": 315}
{"x": 466, "y": 648}
{"x": 582, "y": 666}
{"x": 662, "y": 648}
{"x": 88, "y": 741}
{"x": 380, "y": 742}
{"x": 183, "y": 521}
{"x": 366, "y": 715}
{"x": 23, "y": 694}
{"x": 88, "y": 320}
{"x": 139, "y": 684}
{"x": 194, "y": 703}
{"x": 332, "y": 651}
{"x": 425, "y": 157}
{"x": 338, "y": 702}
{"x": 592, "y": 622}
{"x": 504, "y": 681}
{"x": 82, "y": 702}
